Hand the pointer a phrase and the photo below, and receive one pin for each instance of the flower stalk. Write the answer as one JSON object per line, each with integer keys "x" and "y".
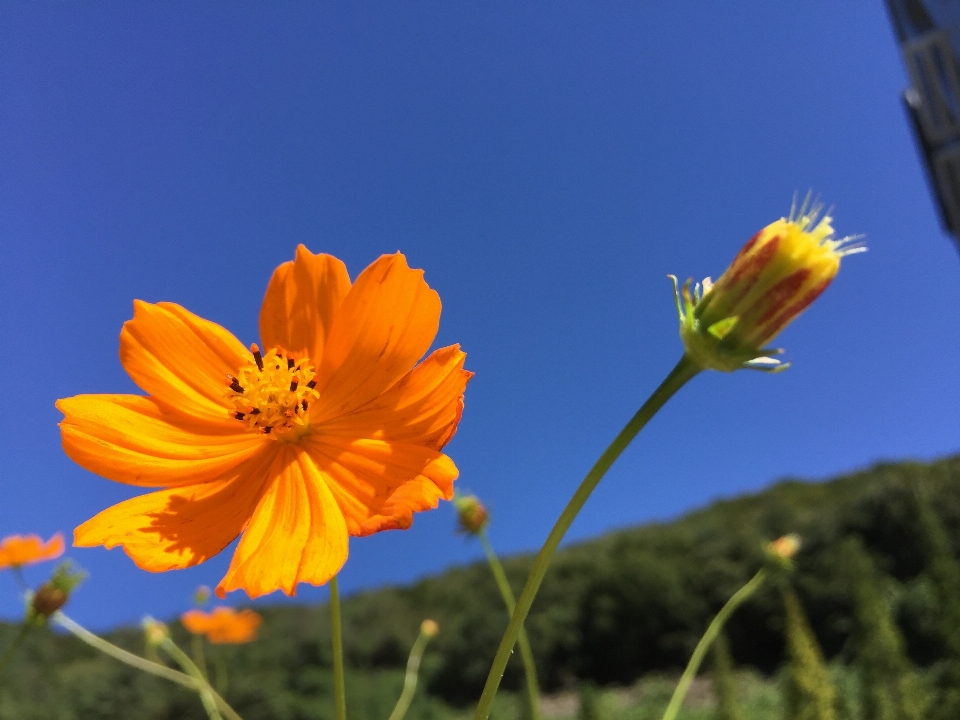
{"x": 199, "y": 660}
{"x": 713, "y": 629}
{"x": 339, "y": 693}
{"x": 141, "y": 663}
{"x": 684, "y": 370}
{"x": 523, "y": 642}
{"x": 428, "y": 629}
{"x": 204, "y": 689}
{"x": 15, "y": 645}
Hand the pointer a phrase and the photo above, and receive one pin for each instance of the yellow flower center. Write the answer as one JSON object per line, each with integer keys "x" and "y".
{"x": 271, "y": 393}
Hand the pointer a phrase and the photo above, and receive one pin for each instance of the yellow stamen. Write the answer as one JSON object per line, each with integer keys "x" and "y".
{"x": 271, "y": 392}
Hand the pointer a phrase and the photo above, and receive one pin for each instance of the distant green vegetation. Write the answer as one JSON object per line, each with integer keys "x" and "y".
{"x": 629, "y": 605}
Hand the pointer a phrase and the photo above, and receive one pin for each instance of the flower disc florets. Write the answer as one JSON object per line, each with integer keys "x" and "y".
{"x": 272, "y": 392}
{"x": 781, "y": 270}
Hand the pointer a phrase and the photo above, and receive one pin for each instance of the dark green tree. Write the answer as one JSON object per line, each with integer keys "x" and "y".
{"x": 889, "y": 687}
{"x": 809, "y": 694}
{"x": 944, "y": 572}
{"x": 724, "y": 681}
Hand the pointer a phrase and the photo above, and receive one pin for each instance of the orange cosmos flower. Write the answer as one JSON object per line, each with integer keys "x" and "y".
{"x": 332, "y": 430}
{"x": 17, "y": 550}
{"x": 223, "y": 626}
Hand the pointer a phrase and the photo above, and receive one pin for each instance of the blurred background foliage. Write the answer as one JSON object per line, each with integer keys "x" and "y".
{"x": 617, "y": 618}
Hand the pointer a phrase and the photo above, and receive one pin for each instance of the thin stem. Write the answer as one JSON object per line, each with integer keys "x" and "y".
{"x": 221, "y": 668}
{"x": 206, "y": 692}
{"x": 410, "y": 679}
{"x": 681, "y": 373}
{"x": 713, "y": 629}
{"x": 340, "y": 697}
{"x": 523, "y": 642}
{"x": 14, "y": 646}
{"x": 138, "y": 662}
{"x": 199, "y": 660}
{"x": 123, "y": 655}
{"x": 18, "y": 576}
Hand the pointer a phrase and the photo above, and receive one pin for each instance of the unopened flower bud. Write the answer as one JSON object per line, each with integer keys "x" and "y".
{"x": 54, "y": 594}
{"x": 781, "y": 270}
{"x": 429, "y": 628}
{"x": 154, "y": 631}
{"x": 784, "y": 548}
{"x": 471, "y": 513}
{"x": 201, "y": 595}
{"x": 48, "y": 599}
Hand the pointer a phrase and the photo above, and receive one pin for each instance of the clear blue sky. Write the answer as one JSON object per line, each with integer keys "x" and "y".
{"x": 546, "y": 164}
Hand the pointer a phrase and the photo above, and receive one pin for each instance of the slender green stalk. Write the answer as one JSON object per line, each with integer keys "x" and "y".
{"x": 410, "y": 679}
{"x": 713, "y": 629}
{"x": 206, "y": 692}
{"x": 523, "y": 642}
{"x": 681, "y": 373}
{"x": 14, "y": 646}
{"x": 138, "y": 662}
{"x": 339, "y": 694}
{"x": 221, "y": 668}
{"x": 18, "y": 576}
{"x": 199, "y": 660}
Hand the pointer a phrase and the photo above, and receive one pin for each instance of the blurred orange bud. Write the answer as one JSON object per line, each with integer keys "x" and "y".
{"x": 471, "y": 513}
{"x": 154, "y": 631}
{"x": 785, "y": 548}
{"x": 201, "y": 595}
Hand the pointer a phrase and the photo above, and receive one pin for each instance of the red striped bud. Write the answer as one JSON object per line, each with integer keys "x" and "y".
{"x": 781, "y": 270}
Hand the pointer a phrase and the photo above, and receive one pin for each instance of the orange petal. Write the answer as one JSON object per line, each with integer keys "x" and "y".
{"x": 423, "y": 407}
{"x": 379, "y": 484}
{"x": 135, "y": 440}
{"x": 297, "y": 533}
{"x": 17, "y": 550}
{"x": 196, "y": 621}
{"x": 180, "y": 359}
{"x": 231, "y": 627}
{"x": 181, "y": 527}
{"x": 385, "y": 324}
{"x": 301, "y": 301}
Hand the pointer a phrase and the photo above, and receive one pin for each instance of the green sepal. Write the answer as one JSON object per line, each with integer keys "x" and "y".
{"x": 722, "y": 328}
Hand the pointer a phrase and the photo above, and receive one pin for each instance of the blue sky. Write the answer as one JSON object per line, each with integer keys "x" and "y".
{"x": 547, "y": 165}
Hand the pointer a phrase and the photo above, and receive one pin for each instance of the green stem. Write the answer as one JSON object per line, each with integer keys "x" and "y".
{"x": 221, "y": 667}
{"x": 526, "y": 654}
{"x": 410, "y": 679}
{"x": 681, "y": 373}
{"x": 14, "y": 646}
{"x": 339, "y": 694}
{"x": 206, "y": 692}
{"x": 199, "y": 660}
{"x": 713, "y": 629}
{"x": 138, "y": 662}
{"x": 18, "y": 576}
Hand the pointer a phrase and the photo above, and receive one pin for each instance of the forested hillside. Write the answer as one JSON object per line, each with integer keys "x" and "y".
{"x": 610, "y": 610}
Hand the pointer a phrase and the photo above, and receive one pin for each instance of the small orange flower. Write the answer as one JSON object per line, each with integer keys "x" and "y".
{"x": 332, "y": 430}
{"x": 223, "y": 626}
{"x": 17, "y": 550}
